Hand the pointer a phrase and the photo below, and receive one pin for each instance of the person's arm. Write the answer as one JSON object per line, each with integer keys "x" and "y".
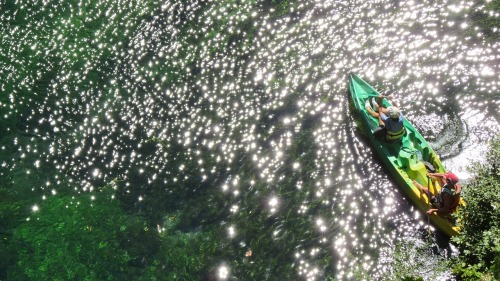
{"x": 389, "y": 98}
{"x": 438, "y": 176}
{"x": 380, "y": 120}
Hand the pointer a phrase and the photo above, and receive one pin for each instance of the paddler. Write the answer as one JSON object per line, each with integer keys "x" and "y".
{"x": 390, "y": 120}
{"x": 448, "y": 198}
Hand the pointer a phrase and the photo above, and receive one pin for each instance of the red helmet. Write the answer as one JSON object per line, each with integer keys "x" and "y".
{"x": 452, "y": 177}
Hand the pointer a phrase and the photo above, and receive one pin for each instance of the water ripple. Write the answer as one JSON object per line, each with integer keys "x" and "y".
{"x": 245, "y": 101}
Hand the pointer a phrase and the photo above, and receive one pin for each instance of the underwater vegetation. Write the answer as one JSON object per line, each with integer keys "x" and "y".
{"x": 487, "y": 19}
{"x": 86, "y": 238}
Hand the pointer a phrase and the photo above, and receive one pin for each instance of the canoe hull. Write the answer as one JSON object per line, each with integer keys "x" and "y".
{"x": 404, "y": 159}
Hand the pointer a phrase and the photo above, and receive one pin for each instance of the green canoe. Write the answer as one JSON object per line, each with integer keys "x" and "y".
{"x": 406, "y": 159}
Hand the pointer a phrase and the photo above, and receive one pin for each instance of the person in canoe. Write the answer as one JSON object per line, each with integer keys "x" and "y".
{"x": 448, "y": 198}
{"x": 390, "y": 120}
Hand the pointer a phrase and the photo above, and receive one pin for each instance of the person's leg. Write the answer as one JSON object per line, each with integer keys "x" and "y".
{"x": 379, "y": 132}
{"x": 380, "y": 121}
{"x": 375, "y": 105}
{"x": 370, "y": 110}
{"x": 374, "y": 114}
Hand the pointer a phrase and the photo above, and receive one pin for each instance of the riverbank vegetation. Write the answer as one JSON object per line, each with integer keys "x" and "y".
{"x": 479, "y": 241}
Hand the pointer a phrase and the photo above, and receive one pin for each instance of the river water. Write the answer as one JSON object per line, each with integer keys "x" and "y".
{"x": 234, "y": 116}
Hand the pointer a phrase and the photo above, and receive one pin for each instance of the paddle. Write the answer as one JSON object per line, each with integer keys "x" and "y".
{"x": 374, "y": 94}
{"x": 429, "y": 197}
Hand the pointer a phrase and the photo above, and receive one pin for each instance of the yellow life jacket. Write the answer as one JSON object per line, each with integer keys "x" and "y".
{"x": 395, "y": 135}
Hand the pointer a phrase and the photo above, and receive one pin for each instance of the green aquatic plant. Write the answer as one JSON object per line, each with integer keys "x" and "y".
{"x": 486, "y": 17}
{"x": 184, "y": 256}
{"x": 90, "y": 237}
{"x": 482, "y": 20}
{"x": 12, "y": 214}
{"x": 77, "y": 237}
{"x": 284, "y": 7}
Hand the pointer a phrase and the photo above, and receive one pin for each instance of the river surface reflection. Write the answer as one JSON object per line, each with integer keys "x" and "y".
{"x": 236, "y": 112}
